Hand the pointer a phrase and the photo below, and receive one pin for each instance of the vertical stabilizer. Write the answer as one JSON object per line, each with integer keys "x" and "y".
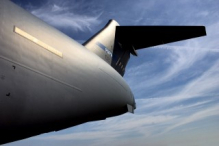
{"x": 102, "y": 43}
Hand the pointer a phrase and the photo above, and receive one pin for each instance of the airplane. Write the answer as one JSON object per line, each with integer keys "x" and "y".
{"x": 49, "y": 82}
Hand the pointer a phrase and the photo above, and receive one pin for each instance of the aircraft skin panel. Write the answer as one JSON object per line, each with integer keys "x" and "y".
{"x": 42, "y": 92}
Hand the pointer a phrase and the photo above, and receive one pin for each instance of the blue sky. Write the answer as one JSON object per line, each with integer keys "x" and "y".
{"x": 176, "y": 85}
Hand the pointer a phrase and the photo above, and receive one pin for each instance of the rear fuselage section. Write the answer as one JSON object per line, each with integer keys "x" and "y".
{"x": 41, "y": 91}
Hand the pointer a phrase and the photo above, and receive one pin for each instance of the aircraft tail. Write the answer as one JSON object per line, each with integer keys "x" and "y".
{"x": 115, "y": 43}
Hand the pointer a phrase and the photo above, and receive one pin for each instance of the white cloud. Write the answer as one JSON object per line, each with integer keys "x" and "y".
{"x": 148, "y": 104}
{"x": 203, "y": 13}
{"x": 115, "y": 127}
{"x": 56, "y": 8}
{"x": 212, "y": 111}
{"x": 77, "y": 136}
{"x": 179, "y": 58}
{"x": 205, "y": 85}
{"x": 63, "y": 16}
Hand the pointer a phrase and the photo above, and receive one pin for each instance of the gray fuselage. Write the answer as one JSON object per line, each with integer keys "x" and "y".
{"x": 41, "y": 91}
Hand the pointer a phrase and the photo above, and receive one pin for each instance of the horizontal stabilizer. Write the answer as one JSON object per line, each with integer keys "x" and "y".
{"x": 115, "y": 43}
{"x": 139, "y": 37}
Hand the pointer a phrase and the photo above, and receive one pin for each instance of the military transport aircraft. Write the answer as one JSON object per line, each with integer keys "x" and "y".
{"x": 49, "y": 82}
